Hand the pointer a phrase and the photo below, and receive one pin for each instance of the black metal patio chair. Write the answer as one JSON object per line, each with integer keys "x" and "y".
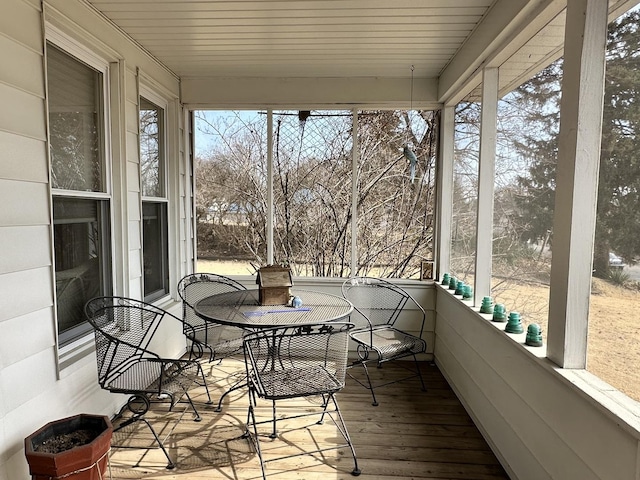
{"x": 293, "y": 362}
{"x": 124, "y": 330}
{"x": 377, "y": 305}
{"x": 220, "y": 341}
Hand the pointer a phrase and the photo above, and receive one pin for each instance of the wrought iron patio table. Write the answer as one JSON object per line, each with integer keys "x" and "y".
{"x": 242, "y": 309}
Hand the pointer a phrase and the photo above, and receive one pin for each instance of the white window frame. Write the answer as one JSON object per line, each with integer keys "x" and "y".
{"x": 70, "y": 353}
{"x": 158, "y": 100}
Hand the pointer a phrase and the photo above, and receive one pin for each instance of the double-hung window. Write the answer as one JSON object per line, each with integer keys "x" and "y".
{"x": 154, "y": 200}
{"x": 79, "y": 185}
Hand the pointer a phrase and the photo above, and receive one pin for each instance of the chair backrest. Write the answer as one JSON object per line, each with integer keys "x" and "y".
{"x": 195, "y": 287}
{"x": 377, "y": 301}
{"x": 296, "y": 353}
{"x": 124, "y": 327}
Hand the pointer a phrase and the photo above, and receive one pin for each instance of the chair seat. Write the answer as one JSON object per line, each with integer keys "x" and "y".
{"x": 389, "y": 342}
{"x": 147, "y": 375}
{"x": 295, "y": 382}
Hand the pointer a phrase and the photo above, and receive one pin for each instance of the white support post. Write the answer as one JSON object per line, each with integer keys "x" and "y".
{"x": 577, "y": 181}
{"x": 444, "y": 191}
{"x": 355, "y": 158}
{"x": 486, "y": 182}
{"x": 270, "y": 206}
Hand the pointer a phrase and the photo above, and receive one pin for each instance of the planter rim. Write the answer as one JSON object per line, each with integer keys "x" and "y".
{"x": 54, "y": 465}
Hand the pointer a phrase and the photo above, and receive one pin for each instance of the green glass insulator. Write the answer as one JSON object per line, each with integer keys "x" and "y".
{"x": 514, "y": 323}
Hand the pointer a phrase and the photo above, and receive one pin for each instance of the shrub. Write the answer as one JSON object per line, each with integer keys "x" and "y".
{"x": 618, "y": 276}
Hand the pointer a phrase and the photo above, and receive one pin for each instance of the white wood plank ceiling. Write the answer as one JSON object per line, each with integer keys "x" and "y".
{"x": 337, "y": 38}
{"x": 301, "y": 38}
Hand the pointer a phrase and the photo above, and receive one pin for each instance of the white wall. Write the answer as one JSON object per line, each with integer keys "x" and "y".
{"x": 542, "y": 422}
{"x": 33, "y": 390}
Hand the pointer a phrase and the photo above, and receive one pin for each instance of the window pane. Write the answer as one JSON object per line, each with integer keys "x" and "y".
{"x": 155, "y": 250}
{"x": 75, "y": 126}
{"x": 82, "y": 260}
{"x": 395, "y": 194}
{"x": 151, "y": 149}
{"x": 465, "y": 191}
{"x": 613, "y": 348}
{"x": 231, "y": 196}
{"x": 312, "y": 191}
{"x": 528, "y": 126}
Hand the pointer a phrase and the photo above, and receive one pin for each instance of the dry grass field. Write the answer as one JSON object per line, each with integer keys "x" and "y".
{"x": 613, "y": 351}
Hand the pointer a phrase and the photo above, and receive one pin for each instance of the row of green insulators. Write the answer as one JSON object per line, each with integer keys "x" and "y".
{"x": 499, "y": 314}
{"x": 458, "y": 286}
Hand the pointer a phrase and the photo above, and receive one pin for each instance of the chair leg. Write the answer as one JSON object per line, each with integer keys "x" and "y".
{"x": 325, "y": 404}
{"x": 197, "y": 418}
{"x": 136, "y": 418}
{"x": 236, "y": 386}
{"x": 251, "y": 420}
{"x": 366, "y": 371}
{"x": 415, "y": 359}
{"x": 204, "y": 383}
{"x": 274, "y": 433}
{"x": 345, "y": 433}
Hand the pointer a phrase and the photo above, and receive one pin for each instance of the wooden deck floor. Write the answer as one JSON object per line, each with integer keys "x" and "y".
{"x": 411, "y": 435}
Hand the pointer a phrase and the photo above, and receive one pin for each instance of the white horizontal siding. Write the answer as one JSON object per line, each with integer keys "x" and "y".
{"x": 25, "y": 292}
{"x": 21, "y": 112}
{"x": 26, "y": 67}
{"x": 42, "y": 377}
{"x": 21, "y": 22}
{"x": 134, "y": 206}
{"x": 23, "y": 203}
{"x": 135, "y": 264}
{"x": 518, "y": 399}
{"x": 24, "y": 248}
{"x": 134, "y": 235}
{"x": 133, "y": 168}
{"x": 36, "y": 326}
{"x": 23, "y": 158}
{"x": 132, "y": 118}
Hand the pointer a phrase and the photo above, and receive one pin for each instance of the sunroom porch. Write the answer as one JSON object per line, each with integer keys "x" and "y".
{"x": 542, "y": 414}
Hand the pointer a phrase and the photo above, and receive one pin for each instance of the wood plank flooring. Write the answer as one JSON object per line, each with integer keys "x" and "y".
{"x": 411, "y": 435}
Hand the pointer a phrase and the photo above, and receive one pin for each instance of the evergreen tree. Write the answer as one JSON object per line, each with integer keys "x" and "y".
{"x": 619, "y": 180}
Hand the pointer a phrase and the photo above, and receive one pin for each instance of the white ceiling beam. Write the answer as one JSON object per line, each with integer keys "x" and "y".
{"x": 308, "y": 93}
{"x": 507, "y": 26}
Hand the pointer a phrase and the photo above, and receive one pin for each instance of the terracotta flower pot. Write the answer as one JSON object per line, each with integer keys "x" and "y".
{"x": 51, "y": 454}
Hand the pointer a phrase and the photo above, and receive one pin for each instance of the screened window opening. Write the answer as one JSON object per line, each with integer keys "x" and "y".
{"x": 321, "y": 199}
